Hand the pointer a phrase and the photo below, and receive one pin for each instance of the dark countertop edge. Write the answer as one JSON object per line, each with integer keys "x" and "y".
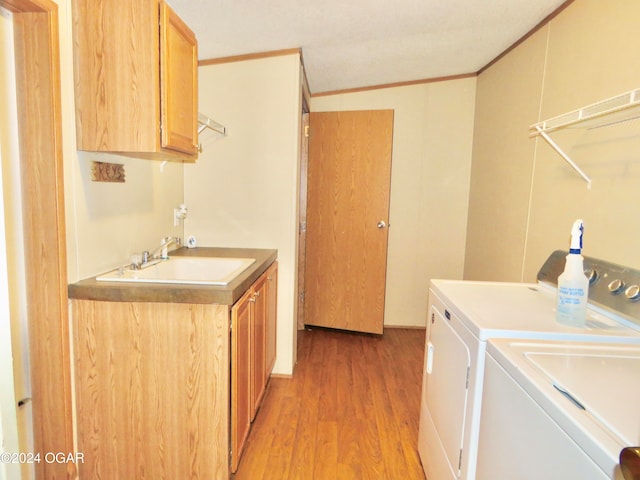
{"x": 91, "y": 289}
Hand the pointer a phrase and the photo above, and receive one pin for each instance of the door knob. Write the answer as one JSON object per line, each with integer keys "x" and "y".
{"x": 381, "y": 224}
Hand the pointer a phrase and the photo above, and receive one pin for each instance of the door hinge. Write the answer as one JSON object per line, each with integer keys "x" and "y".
{"x": 303, "y": 227}
{"x": 306, "y": 130}
{"x": 467, "y": 385}
{"x": 460, "y": 462}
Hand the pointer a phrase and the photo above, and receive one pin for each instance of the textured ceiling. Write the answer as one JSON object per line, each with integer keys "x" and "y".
{"x": 359, "y": 43}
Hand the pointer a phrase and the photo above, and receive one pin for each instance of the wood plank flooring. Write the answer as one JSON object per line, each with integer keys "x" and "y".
{"x": 350, "y": 411}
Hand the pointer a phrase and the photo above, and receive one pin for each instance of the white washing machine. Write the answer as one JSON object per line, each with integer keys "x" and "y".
{"x": 558, "y": 410}
{"x": 464, "y": 315}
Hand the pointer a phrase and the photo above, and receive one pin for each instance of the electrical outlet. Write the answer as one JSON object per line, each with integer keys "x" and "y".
{"x": 179, "y": 213}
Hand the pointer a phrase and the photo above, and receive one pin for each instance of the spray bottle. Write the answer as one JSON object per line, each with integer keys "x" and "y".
{"x": 573, "y": 284}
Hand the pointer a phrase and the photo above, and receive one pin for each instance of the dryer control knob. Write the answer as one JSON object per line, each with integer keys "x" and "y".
{"x": 592, "y": 275}
{"x": 616, "y": 286}
{"x": 633, "y": 292}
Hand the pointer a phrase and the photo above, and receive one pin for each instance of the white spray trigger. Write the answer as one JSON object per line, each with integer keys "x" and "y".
{"x": 576, "y": 236}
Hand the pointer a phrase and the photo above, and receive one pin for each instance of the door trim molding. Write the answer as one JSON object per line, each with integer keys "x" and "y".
{"x": 36, "y": 37}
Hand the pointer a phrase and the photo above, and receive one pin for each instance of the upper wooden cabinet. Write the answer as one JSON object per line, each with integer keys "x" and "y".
{"x": 135, "y": 67}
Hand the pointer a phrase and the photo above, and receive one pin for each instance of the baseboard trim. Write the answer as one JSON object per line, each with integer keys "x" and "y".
{"x": 414, "y": 327}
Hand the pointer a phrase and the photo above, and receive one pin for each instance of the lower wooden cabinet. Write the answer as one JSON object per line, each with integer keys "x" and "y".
{"x": 151, "y": 380}
{"x": 151, "y": 389}
{"x": 253, "y": 330}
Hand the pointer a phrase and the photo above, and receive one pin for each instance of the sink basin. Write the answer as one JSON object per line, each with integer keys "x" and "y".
{"x": 183, "y": 270}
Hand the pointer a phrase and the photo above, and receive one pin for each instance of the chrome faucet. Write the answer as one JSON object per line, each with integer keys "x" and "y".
{"x": 147, "y": 259}
{"x": 160, "y": 252}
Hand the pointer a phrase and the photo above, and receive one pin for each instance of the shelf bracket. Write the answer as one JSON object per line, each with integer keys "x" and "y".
{"x": 206, "y": 122}
{"x": 564, "y": 156}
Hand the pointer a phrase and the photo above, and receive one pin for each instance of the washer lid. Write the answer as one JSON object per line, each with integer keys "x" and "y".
{"x": 599, "y": 409}
{"x": 606, "y": 384}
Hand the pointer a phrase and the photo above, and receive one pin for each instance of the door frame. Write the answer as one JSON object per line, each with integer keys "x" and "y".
{"x": 37, "y": 63}
{"x": 302, "y": 199}
{"x": 302, "y": 216}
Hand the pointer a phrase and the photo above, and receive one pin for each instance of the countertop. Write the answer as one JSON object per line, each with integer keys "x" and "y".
{"x": 91, "y": 289}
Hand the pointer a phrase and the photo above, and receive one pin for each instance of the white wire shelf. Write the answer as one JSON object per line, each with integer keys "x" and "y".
{"x": 620, "y": 108}
{"x": 606, "y": 112}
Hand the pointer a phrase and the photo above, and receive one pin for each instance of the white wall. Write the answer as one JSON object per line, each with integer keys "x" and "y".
{"x": 13, "y": 351}
{"x": 8, "y": 412}
{"x": 432, "y": 138}
{"x": 109, "y": 221}
{"x": 243, "y": 190}
{"x": 524, "y": 197}
{"x": 9, "y": 164}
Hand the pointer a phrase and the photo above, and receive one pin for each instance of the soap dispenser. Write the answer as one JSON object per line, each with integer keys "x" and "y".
{"x": 573, "y": 284}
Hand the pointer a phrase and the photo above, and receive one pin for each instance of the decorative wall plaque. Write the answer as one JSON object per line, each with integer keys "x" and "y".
{"x": 107, "y": 172}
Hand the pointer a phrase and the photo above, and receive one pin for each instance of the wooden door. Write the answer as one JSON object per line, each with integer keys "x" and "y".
{"x": 349, "y": 177}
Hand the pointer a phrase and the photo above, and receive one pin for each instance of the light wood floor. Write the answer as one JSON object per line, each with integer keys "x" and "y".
{"x": 350, "y": 411}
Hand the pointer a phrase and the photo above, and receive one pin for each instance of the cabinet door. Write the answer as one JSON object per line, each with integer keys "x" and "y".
{"x": 258, "y": 377}
{"x": 240, "y": 376}
{"x": 179, "y": 88}
{"x": 116, "y": 73}
{"x": 151, "y": 390}
{"x": 272, "y": 318}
